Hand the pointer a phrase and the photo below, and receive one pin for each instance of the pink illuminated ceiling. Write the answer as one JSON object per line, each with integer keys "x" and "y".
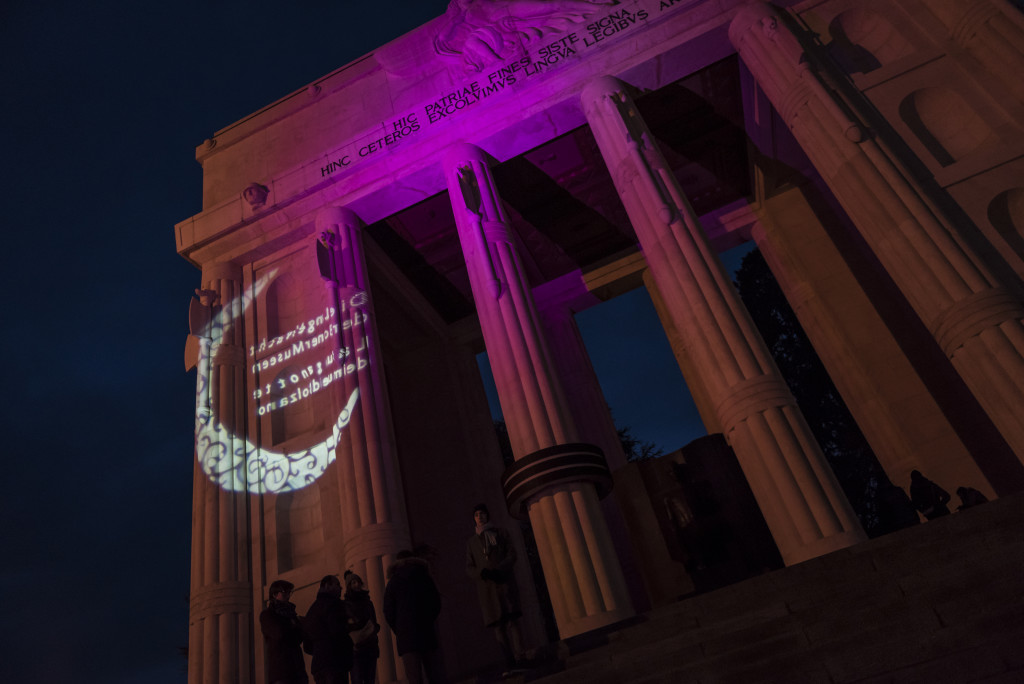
{"x": 561, "y": 200}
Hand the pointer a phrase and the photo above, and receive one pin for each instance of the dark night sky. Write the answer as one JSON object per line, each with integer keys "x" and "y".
{"x": 103, "y": 106}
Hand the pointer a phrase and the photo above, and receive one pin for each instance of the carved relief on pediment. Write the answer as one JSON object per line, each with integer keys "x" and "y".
{"x": 479, "y": 33}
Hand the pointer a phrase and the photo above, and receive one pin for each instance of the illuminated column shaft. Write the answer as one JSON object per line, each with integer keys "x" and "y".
{"x": 874, "y": 376}
{"x": 580, "y": 568}
{"x": 589, "y": 408}
{"x": 793, "y": 483}
{"x": 594, "y": 422}
{"x": 374, "y": 520}
{"x": 973, "y": 308}
{"x": 694, "y": 379}
{"x": 221, "y": 599}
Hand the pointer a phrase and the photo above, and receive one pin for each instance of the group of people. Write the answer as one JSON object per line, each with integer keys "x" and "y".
{"x": 341, "y": 634}
{"x": 931, "y": 499}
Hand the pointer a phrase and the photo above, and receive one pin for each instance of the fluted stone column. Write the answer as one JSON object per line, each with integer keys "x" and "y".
{"x": 572, "y": 363}
{"x": 374, "y": 521}
{"x": 972, "y": 307}
{"x": 591, "y": 415}
{"x": 793, "y": 483}
{"x": 695, "y": 381}
{"x": 555, "y": 477}
{"x": 220, "y": 597}
{"x": 891, "y": 404}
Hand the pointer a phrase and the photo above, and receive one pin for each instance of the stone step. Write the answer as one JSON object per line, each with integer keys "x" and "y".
{"x": 942, "y": 602}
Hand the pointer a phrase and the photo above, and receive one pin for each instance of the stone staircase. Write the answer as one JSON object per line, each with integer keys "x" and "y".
{"x": 941, "y": 602}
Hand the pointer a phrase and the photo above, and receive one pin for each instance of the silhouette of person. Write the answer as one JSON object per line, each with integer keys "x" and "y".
{"x": 928, "y": 497}
{"x": 363, "y": 628}
{"x": 282, "y": 637}
{"x": 684, "y": 525}
{"x": 969, "y": 497}
{"x": 490, "y": 558}
{"x": 895, "y": 509}
{"x": 411, "y": 606}
{"x": 327, "y": 640}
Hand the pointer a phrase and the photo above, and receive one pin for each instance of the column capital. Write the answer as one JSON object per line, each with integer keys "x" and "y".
{"x": 463, "y": 152}
{"x": 763, "y": 23}
{"x": 749, "y": 16}
{"x": 338, "y": 216}
{"x": 601, "y": 86}
{"x": 338, "y": 229}
{"x": 222, "y": 270}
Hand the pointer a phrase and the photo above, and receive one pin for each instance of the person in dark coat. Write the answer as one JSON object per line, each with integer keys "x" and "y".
{"x": 363, "y": 628}
{"x": 490, "y": 558}
{"x": 969, "y": 498}
{"x": 282, "y": 637}
{"x": 895, "y": 509}
{"x": 327, "y": 640}
{"x": 928, "y": 497}
{"x": 411, "y": 605}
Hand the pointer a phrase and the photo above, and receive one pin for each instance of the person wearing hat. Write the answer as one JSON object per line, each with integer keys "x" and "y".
{"x": 490, "y": 559}
{"x": 282, "y": 637}
{"x": 363, "y": 628}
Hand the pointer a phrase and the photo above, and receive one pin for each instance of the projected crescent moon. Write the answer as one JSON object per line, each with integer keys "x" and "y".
{"x": 233, "y": 462}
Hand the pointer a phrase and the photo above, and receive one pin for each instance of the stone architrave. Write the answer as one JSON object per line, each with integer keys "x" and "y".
{"x": 221, "y": 595}
{"x": 373, "y": 517}
{"x": 802, "y": 503}
{"x": 971, "y": 305}
{"x": 582, "y": 573}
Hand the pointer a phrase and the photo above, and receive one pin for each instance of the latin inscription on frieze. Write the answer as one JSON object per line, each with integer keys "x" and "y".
{"x": 495, "y": 81}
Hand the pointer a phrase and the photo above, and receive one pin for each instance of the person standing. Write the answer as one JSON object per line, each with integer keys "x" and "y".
{"x": 282, "y": 637}
{"x": 411, "y": 605}
{"x": 327, "y": 639}
{"x": 362, "y": 628}
{"x": 490, "y": 559}
{"x": 928, "y": 497}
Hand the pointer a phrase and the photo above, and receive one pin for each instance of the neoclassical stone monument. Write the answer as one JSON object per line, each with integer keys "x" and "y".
{"x": 473, "y": 184}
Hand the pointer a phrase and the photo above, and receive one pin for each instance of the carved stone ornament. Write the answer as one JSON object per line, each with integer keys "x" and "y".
{"x": 255, "y": 195}
{"x": 327, "y": 239}
{"x": 478, "y": 33}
